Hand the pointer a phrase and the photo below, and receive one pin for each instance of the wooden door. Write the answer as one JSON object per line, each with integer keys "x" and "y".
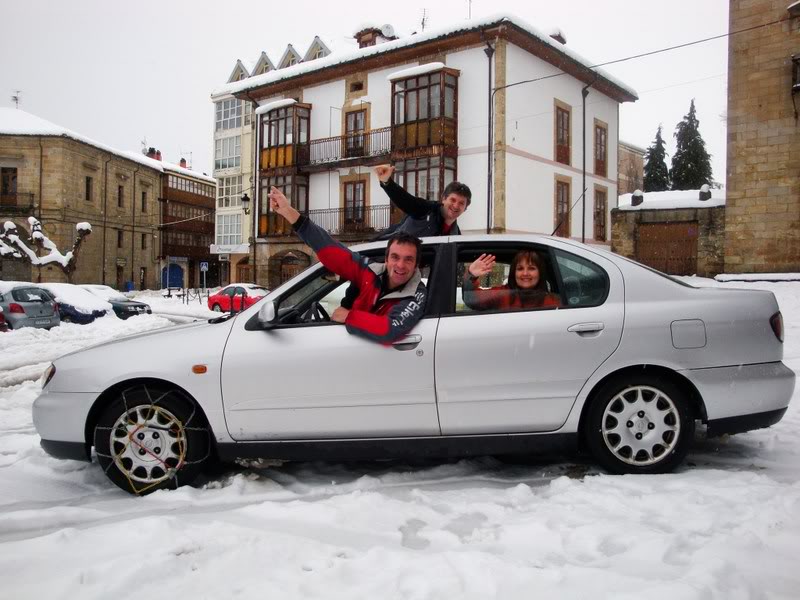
{"x": 669, "y": 247}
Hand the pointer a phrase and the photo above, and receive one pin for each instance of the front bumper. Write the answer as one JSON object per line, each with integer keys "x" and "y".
{"x": 744, "y": 390}
{"x": 60, "y": 420}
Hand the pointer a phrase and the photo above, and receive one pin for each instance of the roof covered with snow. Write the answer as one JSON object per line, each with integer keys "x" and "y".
{"x": 18, "y": 122}
{"x": 339, "y": 58}
{"x": 673, "y": 199}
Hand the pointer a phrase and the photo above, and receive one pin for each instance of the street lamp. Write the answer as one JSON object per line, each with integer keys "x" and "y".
{"x": 246, "y": 203}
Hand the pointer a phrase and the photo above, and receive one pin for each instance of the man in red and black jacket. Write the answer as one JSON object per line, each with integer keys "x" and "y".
{"x": 391, "y": 298}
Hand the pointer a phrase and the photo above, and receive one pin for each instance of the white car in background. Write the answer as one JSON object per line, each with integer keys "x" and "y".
{"x": 622, "y": 369}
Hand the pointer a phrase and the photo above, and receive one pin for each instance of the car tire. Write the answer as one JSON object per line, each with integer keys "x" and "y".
{"x": 640, "y": 424}
{"x": 151, "y": 438}
{"x": 216, "y": 308}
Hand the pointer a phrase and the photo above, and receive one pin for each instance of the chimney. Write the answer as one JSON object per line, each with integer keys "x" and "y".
{"x": 158, "y": 154}
{"x": 183, "y": 163}
{"x": 151, "y": 152}
{"x": 705, "y": 193}
{"x": 637, "y": 198}
{"x": 367, "y": 36}
{"x": 558, "y": 36}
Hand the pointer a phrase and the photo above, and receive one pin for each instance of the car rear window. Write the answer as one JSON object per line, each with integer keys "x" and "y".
{"x": 30, "y": 295}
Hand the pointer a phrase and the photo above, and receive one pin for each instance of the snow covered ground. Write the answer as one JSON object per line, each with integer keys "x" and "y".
{"x": 726, "y": 525}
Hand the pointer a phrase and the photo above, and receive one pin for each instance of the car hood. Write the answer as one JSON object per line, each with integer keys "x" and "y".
{"x": 167, "y": 354}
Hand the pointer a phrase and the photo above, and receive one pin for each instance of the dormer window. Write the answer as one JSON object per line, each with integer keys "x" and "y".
{"x": 292, "y": 61}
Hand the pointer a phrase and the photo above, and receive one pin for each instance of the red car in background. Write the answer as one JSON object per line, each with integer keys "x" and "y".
{"x": 232, "y": 295}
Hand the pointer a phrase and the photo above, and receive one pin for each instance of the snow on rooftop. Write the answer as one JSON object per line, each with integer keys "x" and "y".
{"x": 413, "y": 71}
{"x": 673, "y": 199}
{"x": 18, "y": 122}
{"x": 265, "y": 108}
{"x": 337, "y": 58}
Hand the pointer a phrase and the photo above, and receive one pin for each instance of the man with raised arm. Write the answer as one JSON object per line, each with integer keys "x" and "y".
{"x": 425, "y": 217}
{"x": 391, "y": 297}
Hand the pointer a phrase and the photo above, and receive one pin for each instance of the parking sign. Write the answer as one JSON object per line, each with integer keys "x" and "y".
{"x": 203, "y": 267}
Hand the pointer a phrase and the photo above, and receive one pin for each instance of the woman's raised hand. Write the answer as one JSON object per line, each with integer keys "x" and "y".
{"x": 483, "y": 265}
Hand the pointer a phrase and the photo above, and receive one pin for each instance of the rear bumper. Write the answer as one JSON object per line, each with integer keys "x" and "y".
{"x": 733, "y": 425}
{"x": 743, "y": 391}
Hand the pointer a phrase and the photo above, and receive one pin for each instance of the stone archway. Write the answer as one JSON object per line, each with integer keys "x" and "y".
{"x": 285, "y": 265}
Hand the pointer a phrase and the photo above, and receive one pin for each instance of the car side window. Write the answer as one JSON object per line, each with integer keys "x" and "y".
{"x": 519, "y": 278}
{"x": 327, "y": 290}
{"x": 584, "y": 283}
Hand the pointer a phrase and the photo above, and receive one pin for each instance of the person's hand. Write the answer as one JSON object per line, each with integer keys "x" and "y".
{"x": 279, "y": 203}
{"x": 384, "y": 172}
{"x": 482, "y": 265}
{"x": 340, "y": 314}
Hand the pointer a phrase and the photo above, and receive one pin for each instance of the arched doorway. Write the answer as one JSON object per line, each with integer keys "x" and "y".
{"x": 285, "y": 265}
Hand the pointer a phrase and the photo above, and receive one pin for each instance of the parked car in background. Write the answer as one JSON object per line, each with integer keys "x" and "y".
{"x": 123, "y": 307}
{"x": 26, "y": 305}
{"x": 621, "y": 367}
{"x": 75, "y": 304}
{"x": 230, "y": 297}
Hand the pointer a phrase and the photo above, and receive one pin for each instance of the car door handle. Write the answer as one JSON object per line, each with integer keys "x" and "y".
{"x": 407, "y": 343}
{"x": 587, "y": 328}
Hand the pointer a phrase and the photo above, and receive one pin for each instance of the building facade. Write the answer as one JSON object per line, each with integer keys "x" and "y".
{"x": 630, "y": 172}
{"x": 421, "y": 103}
{"x": 763, "y": 186}
{"x": 63, "y": 179}
{"x": 187, "y": 204}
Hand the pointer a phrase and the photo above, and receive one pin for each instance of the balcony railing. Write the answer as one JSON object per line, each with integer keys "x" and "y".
{"x": 367, "y": 221}
{"x": 376, "y": 142}
{"x": 18, "y": 203}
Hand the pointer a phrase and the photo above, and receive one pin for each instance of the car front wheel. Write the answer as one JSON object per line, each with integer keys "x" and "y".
{"x": 640, "y": 424}
{"x": 151, "y": 438}
{"x": 216, "y": 308}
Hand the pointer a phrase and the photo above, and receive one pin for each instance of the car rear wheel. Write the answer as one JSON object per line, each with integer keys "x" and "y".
{"x": 151, "y": 438}
{"x": 216, "y": 308}
{"x": 640, "y": 424}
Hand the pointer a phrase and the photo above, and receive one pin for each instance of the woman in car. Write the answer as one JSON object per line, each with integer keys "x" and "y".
{"x": 526, "y": 287}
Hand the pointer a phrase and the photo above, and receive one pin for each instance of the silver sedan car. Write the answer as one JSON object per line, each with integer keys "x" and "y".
{"x": 605, "y": 355}
{"x": 25, "y": 305}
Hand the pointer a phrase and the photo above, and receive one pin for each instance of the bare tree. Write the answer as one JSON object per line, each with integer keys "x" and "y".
{"x": 12, "y": 246}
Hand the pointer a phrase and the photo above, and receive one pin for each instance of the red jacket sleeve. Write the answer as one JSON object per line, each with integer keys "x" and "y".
{"x": 387, "y": 328}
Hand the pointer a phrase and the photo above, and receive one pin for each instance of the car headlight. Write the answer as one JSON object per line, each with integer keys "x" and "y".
{"x": 48, "y": 375}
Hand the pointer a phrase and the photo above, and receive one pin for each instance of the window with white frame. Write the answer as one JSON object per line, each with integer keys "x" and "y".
{"x": 229, "y": 229}
{"x": 229, "y": 192}
{"x": 228, "y": 152}
{"x": 248, "y": 112}
{"x": 229, "y": 114}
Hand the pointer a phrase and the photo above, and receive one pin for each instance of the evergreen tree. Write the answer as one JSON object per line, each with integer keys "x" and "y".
{"x": 656, "y": 174}
{"x": 691, "y": 164}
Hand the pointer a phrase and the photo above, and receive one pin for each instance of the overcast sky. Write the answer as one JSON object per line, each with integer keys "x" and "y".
{"x": 123, "y": 72}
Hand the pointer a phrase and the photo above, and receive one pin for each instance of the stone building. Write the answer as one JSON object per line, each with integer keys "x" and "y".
{"x": 763, "y": 178}
{"x": 630, "y": 172}
{"x": 63, "y": 178}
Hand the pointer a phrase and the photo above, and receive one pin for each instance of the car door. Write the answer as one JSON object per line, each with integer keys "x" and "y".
{"x": 312, "y": 379}
{"x": 521, "y": 370}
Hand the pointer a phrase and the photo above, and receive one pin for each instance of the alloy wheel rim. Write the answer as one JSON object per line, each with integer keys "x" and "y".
{"x": 641, "y": 426}
{"x": 148, "y": 444}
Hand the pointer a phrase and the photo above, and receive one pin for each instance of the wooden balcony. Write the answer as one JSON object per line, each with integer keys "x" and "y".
{"x": 352, "y": 148}
{"x": 366, "y": 221}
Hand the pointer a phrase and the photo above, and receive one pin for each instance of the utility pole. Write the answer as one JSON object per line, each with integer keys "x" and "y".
{"x": 15, "y": 98}
{"x": 424, "y": 19}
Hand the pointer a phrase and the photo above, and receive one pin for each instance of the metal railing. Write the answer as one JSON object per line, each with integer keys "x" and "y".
{"x": 375, "y": 142}
{"x": 17, "y": 203}
{"x": 367, "y": 220}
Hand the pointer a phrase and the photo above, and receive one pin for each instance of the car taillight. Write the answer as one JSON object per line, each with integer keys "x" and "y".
{"x": 16, "y": 308}
{"x": 55, "y": 306}
{"x": 776, "y": 322}
{"x": 48, "y": 375}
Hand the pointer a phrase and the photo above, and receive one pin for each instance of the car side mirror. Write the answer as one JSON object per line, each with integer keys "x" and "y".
{"x": 266, "y": 314}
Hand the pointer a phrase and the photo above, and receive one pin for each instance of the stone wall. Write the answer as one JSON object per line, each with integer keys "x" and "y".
{"x": 630, "y": 171}
{"x": 763, "y": 189}
{"x": 710, "y": 241}
{"x": 59, "y": 188}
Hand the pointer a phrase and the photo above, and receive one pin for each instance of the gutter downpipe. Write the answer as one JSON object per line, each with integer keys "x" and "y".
{"x": 105, "y": 212}
{"x": 256, "y": 186}
{"x": 41, "y": 173}
{"x": 489, "y": 51}
{"x": 133, "y": 223}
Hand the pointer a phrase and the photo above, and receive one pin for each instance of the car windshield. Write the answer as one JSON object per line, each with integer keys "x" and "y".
{"x": 107, "y": 293}
{"x": 257, "y": 290}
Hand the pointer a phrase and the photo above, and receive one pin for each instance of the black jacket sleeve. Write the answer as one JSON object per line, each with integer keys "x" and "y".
{"x": 416, "y": 208}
